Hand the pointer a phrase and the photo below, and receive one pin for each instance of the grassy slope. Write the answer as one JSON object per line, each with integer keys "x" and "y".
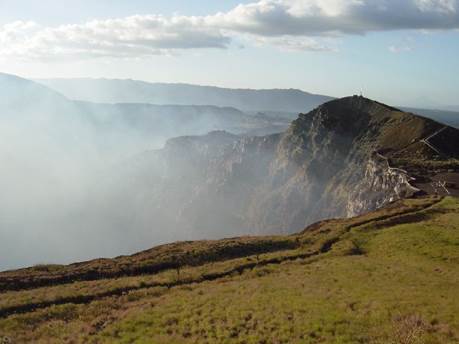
{"x": 380, "y": 278}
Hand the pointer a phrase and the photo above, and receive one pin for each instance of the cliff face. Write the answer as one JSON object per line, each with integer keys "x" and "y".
{"x": 342, "y": 159}
{"x": 229, "y": 185}
{"x": 380, "y": 185}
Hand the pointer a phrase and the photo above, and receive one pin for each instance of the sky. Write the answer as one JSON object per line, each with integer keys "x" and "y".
{"x": 403, "y": 52}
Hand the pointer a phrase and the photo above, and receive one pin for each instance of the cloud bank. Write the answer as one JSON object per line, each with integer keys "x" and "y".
{"x": 287, "y": 24}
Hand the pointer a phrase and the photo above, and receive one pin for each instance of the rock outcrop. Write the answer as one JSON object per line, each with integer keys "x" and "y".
{"x": 342, "y": 159}
{"x": 381, "y": 185}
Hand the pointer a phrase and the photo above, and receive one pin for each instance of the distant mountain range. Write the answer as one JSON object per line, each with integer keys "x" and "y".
{"x": 448, "y": 117}
{"x": 277, "y": 103}
{"x": 133, "y": 91}
{"x": 452, "y": 108}
{"x": 22, "y": 97}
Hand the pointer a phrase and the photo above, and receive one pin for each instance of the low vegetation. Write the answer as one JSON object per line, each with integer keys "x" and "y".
{"x": 427, "y": 165}
{"x": 390, "y": 276}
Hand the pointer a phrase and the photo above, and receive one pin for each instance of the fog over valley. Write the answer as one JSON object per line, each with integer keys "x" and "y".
{"x": 65, "y": 193}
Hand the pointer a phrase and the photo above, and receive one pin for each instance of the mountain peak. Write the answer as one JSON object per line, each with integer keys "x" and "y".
{"x": 358, "y": 102}
{"x": 380, "y": 126}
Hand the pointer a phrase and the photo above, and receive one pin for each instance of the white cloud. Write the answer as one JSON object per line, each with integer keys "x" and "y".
{"x": 405, "y": 45}
{"x": 442, "y": 6}
{"x": 126, "y": 37}
{"x": 327, "y": 17}
{"x": 287, "y": 24}
{"x": 397, "y": 49}
{"x": 293, "y": 44}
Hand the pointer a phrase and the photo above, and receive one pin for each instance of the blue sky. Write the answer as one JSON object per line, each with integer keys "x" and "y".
{"x": 404, "y": 53}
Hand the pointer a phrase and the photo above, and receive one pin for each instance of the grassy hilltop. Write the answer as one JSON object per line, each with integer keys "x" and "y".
{"x": 390, "y": 276}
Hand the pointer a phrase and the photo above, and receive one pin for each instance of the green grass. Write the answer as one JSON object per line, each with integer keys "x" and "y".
{"x": 391, "y": 276}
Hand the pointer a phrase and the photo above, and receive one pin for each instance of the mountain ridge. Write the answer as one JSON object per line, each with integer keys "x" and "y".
{"x": 128, "y": 90}
{"x": 325, "y": 165}
{"x": 33, "y": 99}
{"x": 278, "y": 102}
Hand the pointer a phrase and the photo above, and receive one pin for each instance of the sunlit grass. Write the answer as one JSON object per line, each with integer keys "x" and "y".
{"x": 388, "y": 277}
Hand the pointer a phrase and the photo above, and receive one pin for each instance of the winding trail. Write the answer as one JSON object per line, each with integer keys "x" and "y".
{"x": 427, "y": 139}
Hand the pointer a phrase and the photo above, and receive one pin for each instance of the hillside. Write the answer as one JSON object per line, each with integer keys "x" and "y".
{"x": 345, "y": 158}
{"x": 134, "y": 91}
{"x": 389, "y": 276}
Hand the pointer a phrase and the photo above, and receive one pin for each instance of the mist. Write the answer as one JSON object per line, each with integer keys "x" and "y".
{"x": 51, "y": 158}
{"x": 82, "y": 180}
{"x": 70, "y": 190}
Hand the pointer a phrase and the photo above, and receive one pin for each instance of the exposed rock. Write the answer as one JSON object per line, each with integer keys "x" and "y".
{"x": 381, "y": 185}
{"x": 342, "y": 159}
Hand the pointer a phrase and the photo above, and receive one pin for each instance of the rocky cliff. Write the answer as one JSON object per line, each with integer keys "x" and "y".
{"x": 380, "y": 185}
{"x": 346, "y": 157}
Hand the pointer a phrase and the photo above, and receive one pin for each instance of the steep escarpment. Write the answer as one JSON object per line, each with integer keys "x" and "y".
{"x": 327, "y": 164}
{"x": 380, "y": 185}
{"x": 210, "y": 194}
{"x": 345, "y": 158}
